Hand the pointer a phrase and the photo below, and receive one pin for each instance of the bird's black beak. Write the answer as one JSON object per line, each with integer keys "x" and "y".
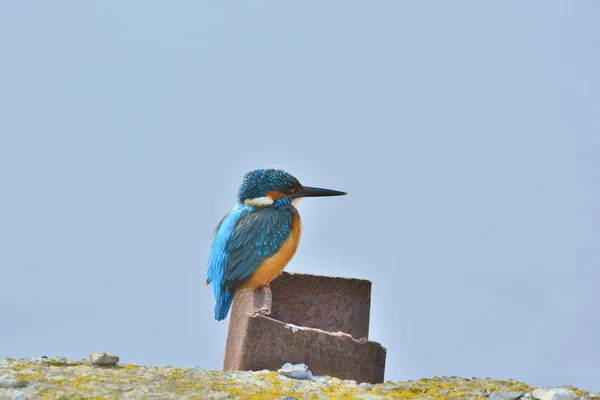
{"x": 308, "y": 191}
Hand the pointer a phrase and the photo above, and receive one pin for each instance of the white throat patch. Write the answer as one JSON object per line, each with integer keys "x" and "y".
{"x": 259, "y": 201}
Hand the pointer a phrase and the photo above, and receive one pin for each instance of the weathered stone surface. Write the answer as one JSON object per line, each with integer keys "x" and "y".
{"x": 55, "y": 379}
{"x": 286, "y": 325}
{"x": 11, "y": 381}
{"x": 554, "y": 394}
{"x": 103, "y": 359}
{"x": 506, "y": 395}
{"x": 297, "y": 371}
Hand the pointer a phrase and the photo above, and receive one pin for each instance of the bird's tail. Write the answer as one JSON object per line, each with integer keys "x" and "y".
{"x": 223, "y": 303}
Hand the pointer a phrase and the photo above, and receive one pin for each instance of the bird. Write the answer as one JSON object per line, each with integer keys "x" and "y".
{"x": 256, "y": 239}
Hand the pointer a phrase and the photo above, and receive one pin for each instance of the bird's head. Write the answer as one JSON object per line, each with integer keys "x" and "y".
{"x": 263, "y": 187}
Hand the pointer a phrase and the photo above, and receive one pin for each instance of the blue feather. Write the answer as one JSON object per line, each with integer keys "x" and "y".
{"x": 244, "y": 239}
{"x": 257, "y": 236}
{"x": 219, "y": 258}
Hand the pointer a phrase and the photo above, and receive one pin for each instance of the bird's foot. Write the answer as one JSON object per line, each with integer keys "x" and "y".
{"x": 260, "y": 288}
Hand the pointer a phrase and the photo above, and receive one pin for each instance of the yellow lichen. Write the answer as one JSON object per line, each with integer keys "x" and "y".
{"x": 175, "y": 374}
{"x": 61, "y": 378}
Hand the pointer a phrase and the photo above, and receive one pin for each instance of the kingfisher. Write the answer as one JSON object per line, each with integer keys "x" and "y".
{"x": 258, "y": 237}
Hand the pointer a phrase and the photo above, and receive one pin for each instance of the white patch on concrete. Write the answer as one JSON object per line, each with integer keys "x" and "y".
{"x": 259, "y": 201}
{"x": 293, "y": 328}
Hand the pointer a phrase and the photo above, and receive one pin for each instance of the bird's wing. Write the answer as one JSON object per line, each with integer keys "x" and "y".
{"x": 218, "y": 254}
{"x": 256, "y": 237}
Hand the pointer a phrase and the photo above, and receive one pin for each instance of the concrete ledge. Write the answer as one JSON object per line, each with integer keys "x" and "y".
{"x": 317, "y": 320}
{"x": 60, "y": 378}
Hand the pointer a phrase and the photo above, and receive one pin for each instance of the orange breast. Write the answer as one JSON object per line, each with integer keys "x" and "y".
{"x": 273, "y": 266}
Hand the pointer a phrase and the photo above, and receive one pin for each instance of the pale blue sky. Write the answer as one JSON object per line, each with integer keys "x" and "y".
{"x": 466, "y": 134}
